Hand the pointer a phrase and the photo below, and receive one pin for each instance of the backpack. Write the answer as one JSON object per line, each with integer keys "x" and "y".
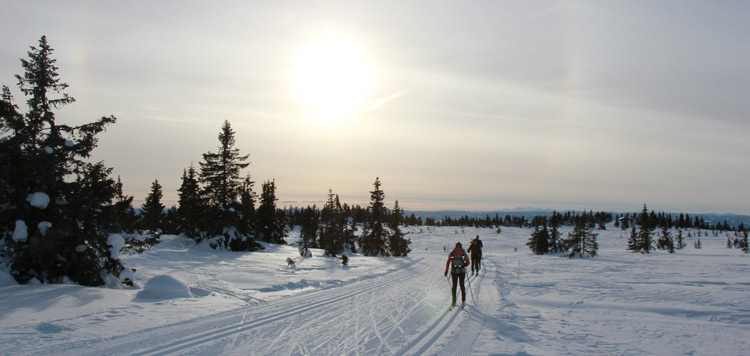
{"x": 457, "y": 258}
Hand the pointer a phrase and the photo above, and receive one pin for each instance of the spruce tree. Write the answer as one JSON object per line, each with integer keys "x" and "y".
{"x": 666, "y": 242}
{"x": 270, "y": 225}
{"x": 633, "y": 239}
{"x": 582, "y": 241}
{"x": 247, "y": 206}
{"x": 331, "y": 226}
{"x": 539, "y": 240}
{"x": 398, "y": 244}
{"x": 191, "y": 208}
{"x": 744, "y": 242}
{"x": 55, "y": 220}
{"x": 555, "y": 222}
{"x": 374, "y": 241}
{"x": 309, "y": 229}
{"x": 679, "y": 240}
{"x": 152, "y": 210}
{"x": 220, "y": 175}
{"x": 119, "y": 217}
{"x": 350, "y": 229}
{"x": 646, "y": 226}
{"x": 223, "y": 214}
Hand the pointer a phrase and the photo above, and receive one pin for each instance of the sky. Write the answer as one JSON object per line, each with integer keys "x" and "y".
{"x": 482, "y": 105}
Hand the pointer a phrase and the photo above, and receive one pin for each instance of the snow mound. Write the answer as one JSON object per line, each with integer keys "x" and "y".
{"x": 38, "y": 200}
{"x": 117, "y": 242}
{"x": 165, "y": 287}
{"x": 21, "y": 233}
{"x": 6, "y": 279}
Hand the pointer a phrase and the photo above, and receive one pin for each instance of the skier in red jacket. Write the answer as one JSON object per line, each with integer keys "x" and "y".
{"x": 457, "y": 262}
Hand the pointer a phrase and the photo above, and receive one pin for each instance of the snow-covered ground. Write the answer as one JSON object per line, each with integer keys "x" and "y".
{"x": 203, "y": 302}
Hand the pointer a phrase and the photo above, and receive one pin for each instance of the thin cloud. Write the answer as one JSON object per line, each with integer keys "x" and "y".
{"x": 376, "y": 104}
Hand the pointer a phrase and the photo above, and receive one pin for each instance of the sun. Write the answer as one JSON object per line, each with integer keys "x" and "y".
{"x": 332, "y": 77}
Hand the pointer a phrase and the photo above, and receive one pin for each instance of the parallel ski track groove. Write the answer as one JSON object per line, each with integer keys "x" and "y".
{"x": 436, "y": 330}
{"x": 235, "y": 327}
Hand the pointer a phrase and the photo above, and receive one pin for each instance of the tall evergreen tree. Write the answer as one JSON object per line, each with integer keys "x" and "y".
{"x": 152, "y": 210}
{"x": 398, "y": 244}
{"x": 53, "y": 201}
{"x": 270, "y": 224}
{"x": 247, "y": 206}
{"x": 191, "y": 208}
{"x": 120, "y": 217}
{"x": 224, "y": 215}
{"x": 220, "y": 175}
{"x": 374, "y": 241}
{"x": 539, "y": 240}
{"x": 646, "y": 226}
{"x": 555, "y": 222}
{"x": 582, "y": 241}
{"x": 308, "y": 232}
{"x": 332, "y": 226}
{"x": 666, "y": 242}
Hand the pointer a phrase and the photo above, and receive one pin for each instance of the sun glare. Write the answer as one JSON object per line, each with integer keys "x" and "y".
{"x": 332, "y": 77}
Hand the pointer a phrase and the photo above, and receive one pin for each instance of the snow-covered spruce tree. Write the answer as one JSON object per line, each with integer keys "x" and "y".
{"x": 398, "y": 245}
{"x": 539, "y": 240}
{"x": 270, "y": 225}
{"x": 373, "y": 241}
{"x": 646, "y": 226}
{"x": 152, "y": 210}
{"x": 220, "y": 175}
{"x": 582, "y": 241}
{"x": 54, "y": 221}
{"x": 191, "y": 207}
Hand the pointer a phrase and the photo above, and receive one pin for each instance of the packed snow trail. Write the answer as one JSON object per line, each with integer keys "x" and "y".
{"x": 694, "y": 301}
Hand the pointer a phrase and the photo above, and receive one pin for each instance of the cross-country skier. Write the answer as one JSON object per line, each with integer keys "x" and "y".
{"x": 475, "y": 249}
{"x": 457, "y": 261}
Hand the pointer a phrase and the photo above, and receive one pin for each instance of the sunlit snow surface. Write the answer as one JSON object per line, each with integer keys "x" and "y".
{"x": 618, "y": 303}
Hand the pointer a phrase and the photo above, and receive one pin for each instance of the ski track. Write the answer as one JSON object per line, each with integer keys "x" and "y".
{"x": 245, "y": 330}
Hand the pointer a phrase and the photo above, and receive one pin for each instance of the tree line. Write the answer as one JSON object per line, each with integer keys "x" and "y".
{"x": 59, "y": 211}
{"x": 546, "y": 238}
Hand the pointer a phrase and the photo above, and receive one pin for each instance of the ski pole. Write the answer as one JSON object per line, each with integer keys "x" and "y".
{"x": 471, "y": 293}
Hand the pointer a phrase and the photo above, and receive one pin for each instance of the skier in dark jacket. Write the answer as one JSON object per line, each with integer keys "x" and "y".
{"x": 475, "y": 249}
{"x": 457, "y": 262}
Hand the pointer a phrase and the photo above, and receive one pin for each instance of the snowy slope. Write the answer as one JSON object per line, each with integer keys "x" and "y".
{"x": 216, "y": 302}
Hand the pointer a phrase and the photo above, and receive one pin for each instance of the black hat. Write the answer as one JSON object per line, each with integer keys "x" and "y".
{"x": 458, "y": 244}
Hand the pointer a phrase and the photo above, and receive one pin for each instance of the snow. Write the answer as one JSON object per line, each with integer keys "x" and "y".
{"x": 117, "y": 242}
{"x": 44, "y": 226}
{"x": 21, "y": 232}
{"x": 38, "y": 200}
{"x": 200, "y": 301}
{"x": 165, "y": 287}
{"x": 6, "y": 279}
